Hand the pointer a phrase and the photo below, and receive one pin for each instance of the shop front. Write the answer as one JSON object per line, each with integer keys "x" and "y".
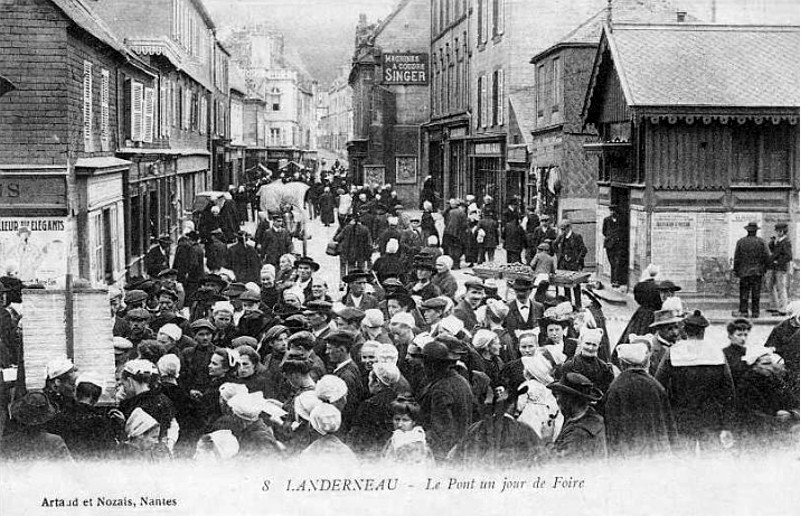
{"x": 486, "y": 170}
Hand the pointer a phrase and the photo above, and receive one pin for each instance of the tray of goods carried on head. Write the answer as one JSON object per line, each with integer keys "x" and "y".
{"x": 509, "y": 271}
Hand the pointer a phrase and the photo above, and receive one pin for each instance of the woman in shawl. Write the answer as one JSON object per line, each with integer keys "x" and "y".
{"x": 444, "y": 278}
{"x": 537, "y": 408}
{"x": 326, "y": 419}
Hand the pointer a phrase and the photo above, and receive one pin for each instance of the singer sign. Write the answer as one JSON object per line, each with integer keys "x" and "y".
{"x": 405, "y": 69}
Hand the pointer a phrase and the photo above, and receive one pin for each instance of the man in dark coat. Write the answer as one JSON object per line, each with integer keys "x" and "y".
{"x": 338, "y": 345}
{"x": 244, "y": 261}
{"x": 583, "y": 434}
{"x": 446, "y": 403}
{"x": 751, "y": 258}
{"x": 355, "y": 247}
{"x": 700, "y": 388}
{"x": 466, "y": 309}
{"x": 781, "y": 337}
{"x": 195, "y": 360}
{"x": 274, "y": 241}
{"x": 614, "y": 231}
{"x": 637, "y": 411}
{"x": 216, "y": 251}
{"x": 524, "y": 312}
{"x": 455, "y": 229}
{"x": 158, "y": 258}
{"x": 543, "y": 233}
{"x": 189, "y": 262}
{"x": 327, "y": 207}
{"x": 570, "y": 249}
{"x": 514, "y": 241}
{"x": 781, "y": 254}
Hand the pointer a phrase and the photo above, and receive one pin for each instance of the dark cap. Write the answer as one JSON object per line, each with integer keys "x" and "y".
{"x": 138, "y": 314}
{"x": 356, "y": 276}
{"x": 169, "y": 292}
{"x": 135, "y": 296}
{"x": 165, "y": 239}
{"x": 349, "y": 313}
{"x": 341, "y": 338}
{"x": 201, "y": 324}
{"x": 780, "y": 226}
{"x": 318, "y": 307}
{"x": 234, "y": 290}
{"x": 667, "y": 285}
{"x": 214, "y": 278}
{"x": 296, "y": 323}
{"x": 167, "y": 272}
{"x": 474, "y": 283}
{"x": 522, "y": 284}
{"x": 435, "y": 303}
{"x": 302, "y": 339}
{"x": 249, "y": 295}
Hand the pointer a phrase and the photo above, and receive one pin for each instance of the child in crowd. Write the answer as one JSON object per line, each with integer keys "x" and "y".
{"x": 543, "y": 262}
{"x": 408, "y": 442}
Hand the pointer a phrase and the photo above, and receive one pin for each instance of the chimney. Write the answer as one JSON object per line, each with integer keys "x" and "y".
{"x": 681, "y": 16}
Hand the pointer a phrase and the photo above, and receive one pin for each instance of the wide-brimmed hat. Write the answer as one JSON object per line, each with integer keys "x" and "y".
{"x": 667, "y": 285}
{"x": 214, "y": 278}
{"x": 424, "y": 261}
{"x": 356, "y": 276}
{"x": 578, "y": 385}
{"x": 33, "y": 409}
{"x": 305, "y": 260}
{"x": 751, "y": 226}
{"x": 665, "y": 317}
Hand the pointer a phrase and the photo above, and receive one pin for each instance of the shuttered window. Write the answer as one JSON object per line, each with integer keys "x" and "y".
{"x": 479, "y": 105}
{"x": 96, "y": 246}
{"x": 105, "y": 135}
{"x": 485, "y": 101}
{"x": 499, "y": 98}
{"x": 87, "y": 106}
{"x": 137, "y": 111}
{"x": 149, "y": 112}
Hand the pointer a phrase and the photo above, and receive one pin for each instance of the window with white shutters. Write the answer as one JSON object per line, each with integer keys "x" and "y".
{"x": 105, "y": 136}
{"x": 87, "y": 106}
{"x": 96, "y": 245}
{"x": 479, "y": 107}
{"x": 501, "y": 99}
{"x": 137, "y": 111}
{"x": 161, "y": 116}
{"x": 484, "y": 101}
{"x": 187, "y": 112}
{"x": 149, "y": 111}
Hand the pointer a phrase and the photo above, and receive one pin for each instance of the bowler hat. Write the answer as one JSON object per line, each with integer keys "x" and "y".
{"x": 665, "y": 317}
{"x": 305, "y": 260}
{"x": 356, "y": 276}
{"x": 751, "y": 226}
{"x": 578, "y": 385}
{"x": 438, "y": 352}
{"x": 34, "y": 408}
{"x": 522, "y": 284}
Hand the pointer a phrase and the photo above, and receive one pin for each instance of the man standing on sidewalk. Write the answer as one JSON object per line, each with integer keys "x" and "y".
{"x": 781, "y": 254}
{"x": 751, "y": 258}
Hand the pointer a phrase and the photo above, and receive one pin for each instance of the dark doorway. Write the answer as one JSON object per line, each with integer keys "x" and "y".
{"x": 621, "y": 197}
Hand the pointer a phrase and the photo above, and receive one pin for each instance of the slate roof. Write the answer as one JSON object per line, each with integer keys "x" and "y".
{"x": 83, "y": 16}
{"x": 707, "y": 65}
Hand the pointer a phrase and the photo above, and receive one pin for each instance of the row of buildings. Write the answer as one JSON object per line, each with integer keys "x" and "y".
{"x": 116, "y": 114}
{"x": 572, "y": 106}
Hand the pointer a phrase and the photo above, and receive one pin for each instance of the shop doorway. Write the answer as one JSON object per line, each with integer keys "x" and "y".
{"x": 621, "y": 197}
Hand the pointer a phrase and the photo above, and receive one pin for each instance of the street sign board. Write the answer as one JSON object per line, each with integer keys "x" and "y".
{"x": 409, "y": 69}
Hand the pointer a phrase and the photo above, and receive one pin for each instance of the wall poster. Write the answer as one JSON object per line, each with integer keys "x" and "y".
{"x": 673, "y": 247}
{"x": 37, "y": 246}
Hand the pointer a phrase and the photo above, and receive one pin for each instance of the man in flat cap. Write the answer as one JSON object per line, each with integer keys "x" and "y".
{"x": 138, "y": 319}
{"x": 781, "y": 254}
{"x": 473, "y": 297}
{"x": 195, "y": 360}
{"x": 338, "y": 351}
{"x": 751, "y": 258}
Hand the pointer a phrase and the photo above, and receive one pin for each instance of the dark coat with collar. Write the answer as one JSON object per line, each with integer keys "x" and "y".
{"x": 571, "y": 251}
{"x": 446, "y": 411}
{"x": 751, "y": 257}
{"x": 583, "y": 438}
{"x": 515, "y": 322}
{"x": 351, "y": 375}
{"x": 466, "y": 314}
{"x": 637, "y": 416}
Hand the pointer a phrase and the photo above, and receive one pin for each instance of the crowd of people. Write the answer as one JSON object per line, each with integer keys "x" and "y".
{"x": 238, "y": 350}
